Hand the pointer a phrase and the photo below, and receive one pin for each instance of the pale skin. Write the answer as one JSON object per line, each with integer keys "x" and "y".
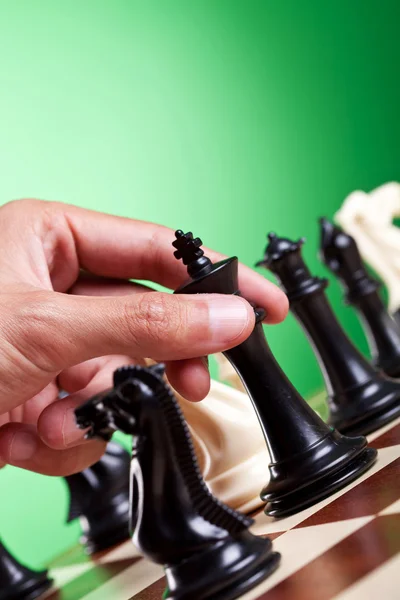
{"x": 69, "y": 316}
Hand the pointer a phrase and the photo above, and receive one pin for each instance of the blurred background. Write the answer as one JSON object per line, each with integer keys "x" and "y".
{"x": 230, "y": 118}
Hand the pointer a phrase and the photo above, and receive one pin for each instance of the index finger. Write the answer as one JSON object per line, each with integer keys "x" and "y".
{"x": 113, "y": 246}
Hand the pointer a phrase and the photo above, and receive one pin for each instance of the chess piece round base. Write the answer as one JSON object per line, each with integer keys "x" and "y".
{"x": 367, "y": 408}
{"x": 107, "y": 527}
{"x": 392, "y": 371}
{"x": 229, "y": 570}
{"x": 324, "y": 469}
{"x": 32, "y": 586}
{"x": 390, "y": 367}
{"x": 370, "y": 423}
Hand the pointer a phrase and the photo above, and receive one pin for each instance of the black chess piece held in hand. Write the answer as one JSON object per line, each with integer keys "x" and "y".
{"x": 339, "y": 252}
{"x": 18, "y": 582}
{"x": 99, "y": 497}
{"x": 309, "y": 460}
{"x": 205, "y": 547}
{"x": 361, "y": 399}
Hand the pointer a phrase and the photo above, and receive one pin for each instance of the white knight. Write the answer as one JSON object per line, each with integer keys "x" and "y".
{"x": 369, "y": 219}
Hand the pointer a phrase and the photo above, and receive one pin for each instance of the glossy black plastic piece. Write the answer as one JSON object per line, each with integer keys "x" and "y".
{"x": 361, "y": 399}
{"x": 340, "y": 254}
{"x": 309, "y": 460}
{"x": 205, "y": 546}
{"x": 18, "y": 582}
{"x": 99, "y": 497}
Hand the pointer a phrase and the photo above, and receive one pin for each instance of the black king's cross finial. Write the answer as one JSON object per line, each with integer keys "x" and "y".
{"x": 188, "y": 249}
{"x": 207, "y": 277}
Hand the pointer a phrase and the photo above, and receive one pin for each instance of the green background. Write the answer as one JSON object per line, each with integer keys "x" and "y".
{"x": 230, "y": 118}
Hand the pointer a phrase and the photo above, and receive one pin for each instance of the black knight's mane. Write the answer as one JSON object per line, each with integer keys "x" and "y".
{"x": 205, "y": 504}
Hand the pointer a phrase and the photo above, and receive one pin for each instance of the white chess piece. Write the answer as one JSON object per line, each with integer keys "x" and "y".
{"x": 227, "y": 373}
{"x": 230, "y": 446}
{"x": 369, "y": 219}
{"x": 229, "y": 442}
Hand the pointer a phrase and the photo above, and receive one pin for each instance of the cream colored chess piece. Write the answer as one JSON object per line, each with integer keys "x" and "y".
{"x": 369, "y": 219}
{"x": 230, "y": 445}
{"x": 227, "y": 373}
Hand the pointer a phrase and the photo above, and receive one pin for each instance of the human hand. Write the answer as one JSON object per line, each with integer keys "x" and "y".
{"x": 69, "y": 317}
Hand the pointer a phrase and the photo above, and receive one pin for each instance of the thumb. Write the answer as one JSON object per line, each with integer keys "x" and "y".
{"x": 60, "y": 330}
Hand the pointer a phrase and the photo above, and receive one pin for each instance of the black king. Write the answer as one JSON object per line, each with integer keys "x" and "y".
{"x": 361, "y": 399}
{"x": 309, "y": 460}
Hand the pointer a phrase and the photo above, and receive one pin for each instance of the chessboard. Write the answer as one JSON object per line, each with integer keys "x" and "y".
{"x": 347, "y": 547}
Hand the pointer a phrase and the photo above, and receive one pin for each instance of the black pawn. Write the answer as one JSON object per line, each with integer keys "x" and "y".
{"x": 340, "y": 254}
{"x": 309, "y": 460}
{"x": 99, "y": 497}
{"x": 18, "y": 582}
{"x": 361, "y": 399}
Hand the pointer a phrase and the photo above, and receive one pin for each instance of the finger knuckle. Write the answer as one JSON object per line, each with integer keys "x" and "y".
{"x": 156, "y": 318}
{"x": 21, "y": 204}
{"x": 154, "y": 254}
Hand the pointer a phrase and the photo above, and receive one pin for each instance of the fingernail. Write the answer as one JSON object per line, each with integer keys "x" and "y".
{"x": 23, "y": 446}
{"x": 229, "y": 317}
